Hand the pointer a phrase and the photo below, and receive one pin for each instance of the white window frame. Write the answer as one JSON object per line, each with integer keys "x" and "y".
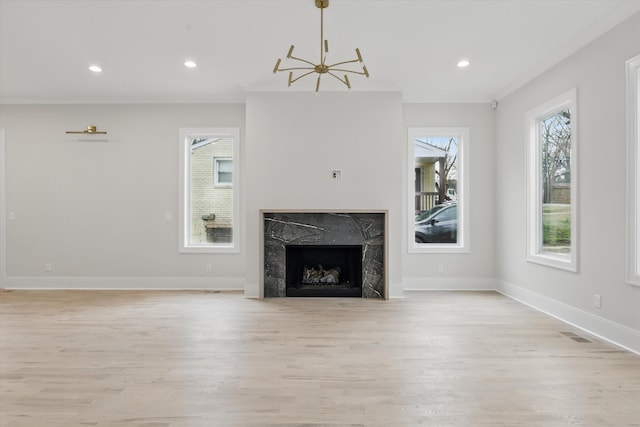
{"x": 463, "y": 244}
{"x": 534, "y": 183}
{"x": 184, "y": 208}
{"x": 633, "y": 171}
{"x": 3, "y": 210}
{"x": 216, "y": 166}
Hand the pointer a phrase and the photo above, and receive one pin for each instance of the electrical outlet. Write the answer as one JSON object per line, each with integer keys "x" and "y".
{"x": 597, "y": 301}
{"x": 12, "y": 216}
{"x": 336, "y": 175}
{"x": 167, "y": 216}
{"x": 48, "y": 267}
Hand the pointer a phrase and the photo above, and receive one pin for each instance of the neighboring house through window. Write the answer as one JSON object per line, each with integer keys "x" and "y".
{"x": 209, "y": 190}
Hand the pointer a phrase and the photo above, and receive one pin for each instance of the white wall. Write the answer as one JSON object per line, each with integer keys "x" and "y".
{"x": 598, "y": 73}
{"x": 96, "y": 210}
{"x": 295, "y": 140}
{"x": 476, "y": 269}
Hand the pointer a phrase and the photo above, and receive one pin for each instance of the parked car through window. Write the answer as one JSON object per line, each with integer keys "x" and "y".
{"x": 438, "y": 225}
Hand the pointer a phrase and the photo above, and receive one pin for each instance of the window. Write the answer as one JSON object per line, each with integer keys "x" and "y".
{"x": 223, "y": 171}
{"x": 3, "y": 209}
{"x": 551, "y": 197}
{"x": 633, "y": 171}
{"x": 209, "y": 190}
{"x": 438, "y": 189}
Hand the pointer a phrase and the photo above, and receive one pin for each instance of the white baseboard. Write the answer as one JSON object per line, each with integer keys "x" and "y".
{"x": 396, "y": 290}
{"x": 252, "y": 291}
{"x": 609, "y": 331}
{"x": 126, "y": 283}
{"x": 448, "y": 284}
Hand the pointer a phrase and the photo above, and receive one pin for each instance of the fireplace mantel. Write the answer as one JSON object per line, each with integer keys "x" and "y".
{"x": 324, "y": 227}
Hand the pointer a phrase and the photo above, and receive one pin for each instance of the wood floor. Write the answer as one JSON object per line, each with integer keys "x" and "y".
{"x": 174, "y": 359}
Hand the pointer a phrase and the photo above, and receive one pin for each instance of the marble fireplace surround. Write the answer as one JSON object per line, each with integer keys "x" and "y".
{"x": 326, "y": 227}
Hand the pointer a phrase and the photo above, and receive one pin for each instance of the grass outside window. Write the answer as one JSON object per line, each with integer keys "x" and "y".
{"x": 556, "y": 228}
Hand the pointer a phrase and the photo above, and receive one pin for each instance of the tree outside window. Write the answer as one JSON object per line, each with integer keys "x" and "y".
{"x": 555, "y": 152}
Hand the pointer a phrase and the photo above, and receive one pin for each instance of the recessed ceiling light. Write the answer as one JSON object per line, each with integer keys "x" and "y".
{"x": 190, "y": 64}
{"x": 95, "y": 69}
{"x": 463, "y": 63}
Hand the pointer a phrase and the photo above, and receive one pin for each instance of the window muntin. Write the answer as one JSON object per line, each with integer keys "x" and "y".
{"x": 209, "y": 191}
{"x": 552, "y": 184}
{"x": 437, "y": 180}
{"x": 633, "y": 171}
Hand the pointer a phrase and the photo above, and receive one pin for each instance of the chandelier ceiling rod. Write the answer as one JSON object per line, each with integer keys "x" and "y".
{"x": 322, "y": 68}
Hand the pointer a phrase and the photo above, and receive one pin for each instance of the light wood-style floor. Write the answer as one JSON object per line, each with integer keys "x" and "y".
{"x": 174, "y": 359}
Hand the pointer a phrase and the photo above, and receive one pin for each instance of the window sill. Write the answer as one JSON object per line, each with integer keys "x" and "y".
{"x": 210, "y": 249}
{"x": 560, "y": 263}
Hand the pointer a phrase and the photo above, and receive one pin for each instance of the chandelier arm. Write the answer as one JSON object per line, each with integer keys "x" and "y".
{"x": 296, "y": 68}
{"x": 301, "y": 76}
{"x": 303, "y": 60}
{"x": 343, "y": 62}
{"x": 349, "y": 71}
{"x": 341, "y": 80}
{"x": 364, "y": 71}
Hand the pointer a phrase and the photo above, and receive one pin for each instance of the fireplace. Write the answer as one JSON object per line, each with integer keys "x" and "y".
{"x": 353, "y": 241}
{"x": 323, "y": 270}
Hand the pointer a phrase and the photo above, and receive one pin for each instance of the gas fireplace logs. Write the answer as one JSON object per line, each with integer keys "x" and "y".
{"x": 312, "y": 275}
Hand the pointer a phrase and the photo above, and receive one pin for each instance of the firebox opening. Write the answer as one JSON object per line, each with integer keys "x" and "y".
{"x": 324, "y": 270}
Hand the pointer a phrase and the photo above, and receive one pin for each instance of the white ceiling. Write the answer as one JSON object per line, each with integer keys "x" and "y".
{"x": 410, "y": 46}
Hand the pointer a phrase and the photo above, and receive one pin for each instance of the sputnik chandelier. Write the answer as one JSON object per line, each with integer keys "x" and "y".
{"x": 322, "y": 67}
